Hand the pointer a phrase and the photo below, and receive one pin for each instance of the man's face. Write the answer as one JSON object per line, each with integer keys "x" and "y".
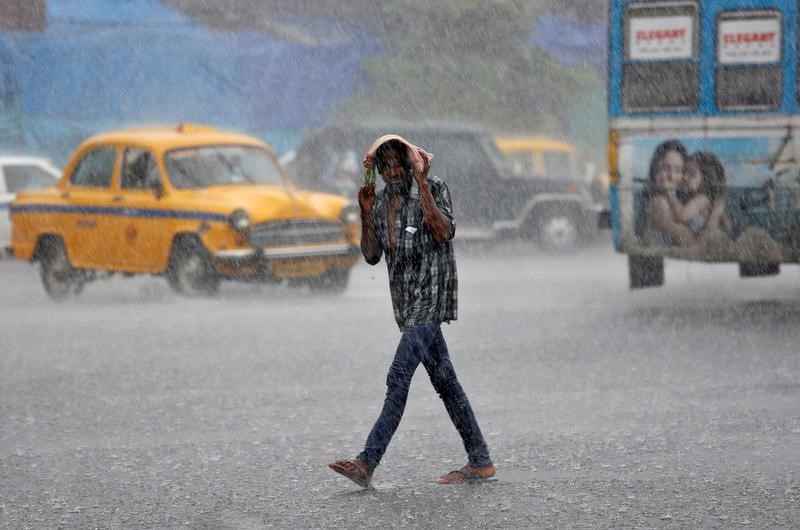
{"x": 391, "y": 169}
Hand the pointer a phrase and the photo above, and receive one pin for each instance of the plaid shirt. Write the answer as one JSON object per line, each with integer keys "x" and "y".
{"x": 422, "y": 272}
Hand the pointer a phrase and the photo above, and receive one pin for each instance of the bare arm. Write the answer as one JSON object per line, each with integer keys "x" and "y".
{"x": 715, "y": 219}
{"x": 370, "y": 247}
{"x": 663, "y": 218}
{"x": 674, "y": 203}
{"x": 696, "y": 205}
{"x": 438, "y": 223}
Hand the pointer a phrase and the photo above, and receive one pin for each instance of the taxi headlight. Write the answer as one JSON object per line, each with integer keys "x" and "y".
{"x": 350, "y": 214}
{"x": 240, "y": 220}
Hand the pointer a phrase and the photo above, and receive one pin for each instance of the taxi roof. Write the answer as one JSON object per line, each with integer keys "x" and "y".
{"x": 532, "y": 143}
{"x": 183, "y": 135}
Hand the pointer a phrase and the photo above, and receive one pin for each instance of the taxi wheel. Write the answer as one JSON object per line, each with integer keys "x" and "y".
{"x": 59, "y": 278}
{"x": 332, "y": 282}
{"x": 190, "y": 271}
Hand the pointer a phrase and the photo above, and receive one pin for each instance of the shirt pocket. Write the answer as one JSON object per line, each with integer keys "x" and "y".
{"x": 410, "y": 241}
{"x": 418, "y": 243}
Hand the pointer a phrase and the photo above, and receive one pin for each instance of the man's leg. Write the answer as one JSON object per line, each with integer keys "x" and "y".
{"x": 443, "y": 376}
{"x": 413, "y": 345}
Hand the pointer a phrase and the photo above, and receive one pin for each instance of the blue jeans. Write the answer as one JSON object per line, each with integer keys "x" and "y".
{"x": 424, "y": 343}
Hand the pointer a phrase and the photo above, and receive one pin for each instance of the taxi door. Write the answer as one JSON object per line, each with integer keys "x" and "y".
{"x": 84, "y": 216}
{"x": 143, "y": 236}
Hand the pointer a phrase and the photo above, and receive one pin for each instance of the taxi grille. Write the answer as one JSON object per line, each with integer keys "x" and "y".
{"x": 294, "y": 232}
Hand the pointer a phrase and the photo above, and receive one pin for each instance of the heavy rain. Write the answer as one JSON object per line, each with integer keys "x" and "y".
{"x": 191, "y": 331}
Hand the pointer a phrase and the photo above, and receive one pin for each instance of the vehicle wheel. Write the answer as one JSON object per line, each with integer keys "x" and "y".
{"x": 332, "y": 282}
{"x": 645, "y": 271}
{"x": 59, "y": 278}
{"x": 558, "y": 233}
{"x": 190, "y": 271}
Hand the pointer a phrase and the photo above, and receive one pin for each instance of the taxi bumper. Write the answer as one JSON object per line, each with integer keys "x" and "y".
{"x": 286, "y": 261}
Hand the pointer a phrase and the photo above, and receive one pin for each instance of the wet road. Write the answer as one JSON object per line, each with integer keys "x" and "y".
{"x": 674, "y": 407}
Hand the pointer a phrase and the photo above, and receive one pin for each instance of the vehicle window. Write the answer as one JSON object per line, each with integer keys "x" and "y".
{"x": 139, "y": 170}
{"x": 493, "y": 154}
{"x": 559, "y": 164}
{"x": 522, "y": 164}
{"x": 308, "y": 164}
{"x": 457, "y": 158}
{"x": 19, "y": 178}
{"x": 749, "y": 74}
{"x": 199, "y": 167}
{"x": 95, "y": 169}
{"x": 341, "y": 171}
{"x": 661, "y": 69}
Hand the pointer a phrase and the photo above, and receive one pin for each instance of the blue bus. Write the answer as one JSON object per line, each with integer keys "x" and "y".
{"x": 704, "y": 134}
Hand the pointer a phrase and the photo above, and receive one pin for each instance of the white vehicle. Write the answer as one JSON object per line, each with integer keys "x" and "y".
{"x": 18, "y": 173}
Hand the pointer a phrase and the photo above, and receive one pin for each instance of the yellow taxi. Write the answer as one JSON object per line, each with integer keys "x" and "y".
{"x": 192, "y": 203}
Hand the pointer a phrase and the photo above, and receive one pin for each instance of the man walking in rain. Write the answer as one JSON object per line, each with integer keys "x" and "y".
{"x": 410, "y": 222}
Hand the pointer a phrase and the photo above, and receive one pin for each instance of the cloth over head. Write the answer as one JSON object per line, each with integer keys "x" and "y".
{"x": 416, "y": 155}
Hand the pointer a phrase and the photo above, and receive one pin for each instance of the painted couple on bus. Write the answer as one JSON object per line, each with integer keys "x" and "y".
{"x": 684, "y": 198}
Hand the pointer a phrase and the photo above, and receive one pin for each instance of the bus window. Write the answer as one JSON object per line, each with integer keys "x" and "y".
{"x": 749, "y": 74}
{"x": 661, "y": 71}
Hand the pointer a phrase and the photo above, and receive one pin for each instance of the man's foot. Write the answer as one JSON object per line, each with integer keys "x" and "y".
{"x": 470, "y": 475}
{"x": 355, "y": 470}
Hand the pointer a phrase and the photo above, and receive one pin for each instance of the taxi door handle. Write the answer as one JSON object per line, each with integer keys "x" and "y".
{"x": 65, "y": 195}
{"x": 118, "y": 198}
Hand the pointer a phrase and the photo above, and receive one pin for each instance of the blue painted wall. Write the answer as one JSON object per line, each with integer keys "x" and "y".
{"x": 101, "y": 65}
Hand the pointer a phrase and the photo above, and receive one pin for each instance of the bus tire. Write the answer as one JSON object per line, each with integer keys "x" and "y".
{"x": 754, "y": 270}
{"x": 645, "y": 271}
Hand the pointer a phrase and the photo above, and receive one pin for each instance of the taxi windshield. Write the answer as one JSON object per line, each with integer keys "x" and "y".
{"x": 220, "y": 165}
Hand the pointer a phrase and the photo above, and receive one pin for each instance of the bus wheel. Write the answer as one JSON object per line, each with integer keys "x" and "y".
{"x": 59, "y": 278}
{"x": 190, "y": 271}
{"x": 645, "y": 271}
{"x": 754, "y": 270}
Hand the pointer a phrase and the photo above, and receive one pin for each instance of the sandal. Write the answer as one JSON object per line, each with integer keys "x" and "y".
{"x": 470, "y": 475}
{"x": 355, "y": 470}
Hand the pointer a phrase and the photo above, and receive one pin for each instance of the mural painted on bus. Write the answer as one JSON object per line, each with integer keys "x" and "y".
{"x": 714, "y": 199}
